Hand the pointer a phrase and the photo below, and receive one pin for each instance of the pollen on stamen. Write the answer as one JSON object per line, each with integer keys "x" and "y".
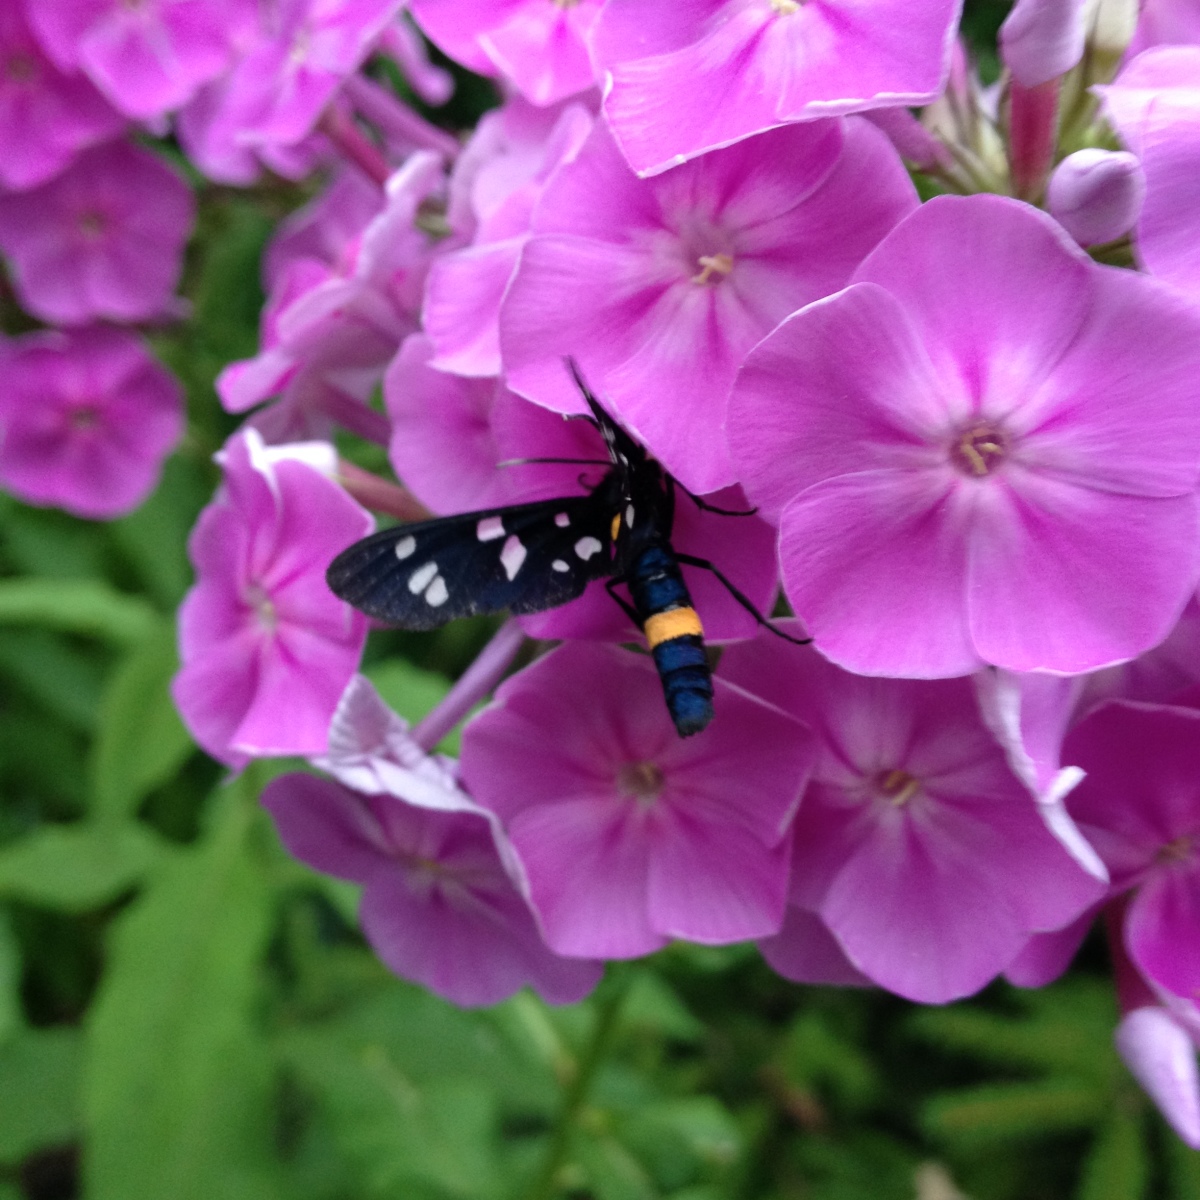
{"x": 898, "y": 786}
{"x": 785, "y": 8}
{"x": 640, "y": 781}
{"x": 713, "y": 267}
{"x": 979, "y": 450}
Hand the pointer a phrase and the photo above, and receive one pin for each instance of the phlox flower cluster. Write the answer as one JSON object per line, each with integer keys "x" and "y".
{"x": 965, "y": 414}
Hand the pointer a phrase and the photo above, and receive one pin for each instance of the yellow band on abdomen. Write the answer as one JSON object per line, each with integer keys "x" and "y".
{"x": 678, "y": 622}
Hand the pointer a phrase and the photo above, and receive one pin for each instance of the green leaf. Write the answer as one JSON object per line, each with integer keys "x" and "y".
{"x": 1117, "y": 1167}
{"x": 39, "y": 1099}
{"x": 66, "y": 680}
{"x": 11, "y": 1018}
{"x": 82, "y": 606}
{"x": 995, "y": 1112}
{"x": 140, "y": 741}
{"x": 76, "y": 868}
{"x": 176, "y": 1085}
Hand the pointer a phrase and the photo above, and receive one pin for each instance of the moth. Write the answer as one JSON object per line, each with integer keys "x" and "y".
{"x": 530, "y": 557}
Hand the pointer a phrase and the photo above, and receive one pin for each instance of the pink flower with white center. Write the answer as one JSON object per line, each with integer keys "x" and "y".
{"x": 104, "y": 239}
{"x": 541, "y": 46}
{"x": 1155, "y": 105}
{"x": 439, "y": 906}
{"x": 689, "y": 78}
{"x": 286, "y": 77}
{"x": 149, "y": 56}
{"x": 627, "y": 834}
{"x": 985, "y": 450}
{"x": 915, "y": 844}
{"x": 46, "y": 115}
{"x": 267, "y": 650}
{"x": 1139, "y": 805}
{"x": 659, "y": 287}
{"x": 86, "y": 419}
{"x": 329, "y": 330}
{"x": 496, "y": 182}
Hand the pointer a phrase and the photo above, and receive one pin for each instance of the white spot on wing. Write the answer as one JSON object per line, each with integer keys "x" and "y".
{"x": 562, "y": 520}
{"x": 512, "y": 556}
{"x": 629, "y": 515}
{"x": 586, "y": 547}
{"x": 437, "y": 593}
{"x": 559, "y": 565}
{"x": 489, "y": 529}
{"x": 405, "y": 547}
{"x": 420, "y": 579}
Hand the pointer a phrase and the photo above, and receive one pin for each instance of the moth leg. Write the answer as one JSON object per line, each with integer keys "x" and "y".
{"x": 703, "y": 564}
{"x": 609, "y": 586}
{"x": 704, "y": 506}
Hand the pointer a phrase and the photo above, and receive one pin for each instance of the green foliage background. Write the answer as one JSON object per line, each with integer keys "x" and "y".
{"x": 186, "y": 1014}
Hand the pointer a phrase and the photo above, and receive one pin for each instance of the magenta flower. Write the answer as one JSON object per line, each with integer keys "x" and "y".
{"x": 688, "y": 78}
{"x": 1155, "y": 104}
{"x": 266, "y": 649}
{"x": 1161, "y": 1055}
{"x": 46, "y": 116}
{"x": 541, "y": 47}
{"x": 915, "y": 844}
{"x": 1166, "y": 23}
{"x": 439, "y": 906}
{"x": 102, "y": 240}
{"x": 282, "y": 83}
{"x": 1139, "y": 805}
{"x": 86, "y": 419}
{"x": 985, "y": 450}
{"x": 627, "y": 834}
{"x": 496, "y": 182}
{"x": 147, "y": 57}
{"x": 659, "y": 287}
{"x": 1096, "y": 195}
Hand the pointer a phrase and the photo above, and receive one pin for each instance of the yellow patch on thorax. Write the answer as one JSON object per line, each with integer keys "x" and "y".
{"x": 666, "y": 626}
{"x": 616, "y": 526}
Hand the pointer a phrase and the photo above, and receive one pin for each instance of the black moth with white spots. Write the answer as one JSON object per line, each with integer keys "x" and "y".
{"x": 525, "y": 558}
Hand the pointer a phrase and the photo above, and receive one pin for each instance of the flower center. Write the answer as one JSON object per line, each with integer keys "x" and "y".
{"x": 641, "y": 781}
{"x": 785, "y": 8}
{"x": 257, "y": 599}
{"x": 20, "y": 69}
{"x": 91, "y": 225}
{"x": 897, "y": 786}
{"x": 84, "y": 418}
{"x": 980, "y": 449}
{"x": 713, "y": 268}
{"x": 1177, "y": 851}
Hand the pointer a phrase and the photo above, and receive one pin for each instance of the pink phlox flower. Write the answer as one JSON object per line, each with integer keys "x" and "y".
{"x": 540, "y": 46}
{"x": 1043, "y": 39}
{"x": 86, "y": 420}
{"x": 985, "y": 450}
{"x": 457, "y": 444}
{"x": 495, "y": 184}
{"x": 46, "y": 115}
{"x": 805, "y": 951}
{"x": 439, "y": 906}
{"x": 408, "y": 50}
{"x": 686, "y": 79}
{"x": 267, "y": 650}
{"x": 277, "y": 91}
{"x": 915, "y": 844}
{"x": 104, "y": 239}
{"x": 329, "y": 331}
{"x": 147, "y": 57}
{"x": 326, "y": 227}
{"x": 1096, "y": 195}
{"x": 1166, "y": 23}
{"x": 627, "y": 834}
{"x": 1139, "y": 805}
{"x": 1155, "y": 104}
{"x": 1160, "y": 1052}
{"x": 659, "y": 287}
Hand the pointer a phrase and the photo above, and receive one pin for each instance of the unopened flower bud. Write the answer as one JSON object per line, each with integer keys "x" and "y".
{"x": 1042, "y": 39}
{"x": 1096, "y": 195}
{"x": 1162, "y": 1059}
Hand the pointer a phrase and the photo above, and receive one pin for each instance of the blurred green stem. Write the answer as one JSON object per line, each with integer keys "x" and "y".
{"x": 608, "y": 1006}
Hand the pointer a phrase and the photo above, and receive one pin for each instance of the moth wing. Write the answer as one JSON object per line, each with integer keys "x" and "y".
{"x": 526, "y": 558}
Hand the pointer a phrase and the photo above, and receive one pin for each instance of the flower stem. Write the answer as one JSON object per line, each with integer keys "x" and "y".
{"x": 608, "y": 1006}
